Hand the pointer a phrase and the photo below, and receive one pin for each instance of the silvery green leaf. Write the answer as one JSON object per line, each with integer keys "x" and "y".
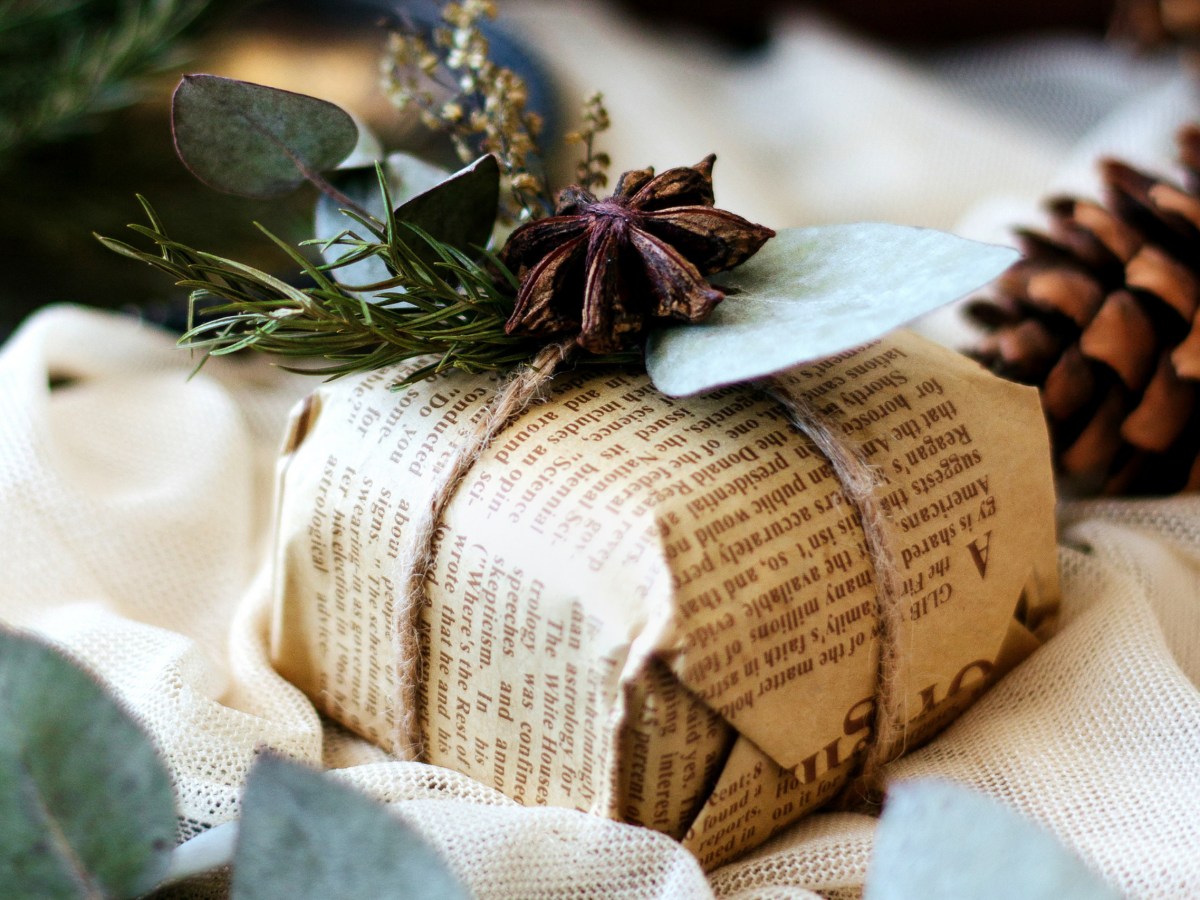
{"x": 407, "y": 177}
{"x": 367, "y": 149}
{"x": 304, "y": 836}
{"x": 941, "y": 841}
{"x": 812, "y": 292}
{"x": 362, "y": 186}
{"x": 254, "y": 140}
{"x": 458, "y": 209}
{"x": 209, "y": 850}
{"x": 410, "y": 176}
{"x": 86, "y": 806}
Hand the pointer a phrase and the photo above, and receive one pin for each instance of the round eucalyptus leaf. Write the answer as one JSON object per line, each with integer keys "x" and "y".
{"x": 254, "y": 140}
{"x": 304, "y": 836}
{"x": 368, "y": 149}
{"x": 941, "y": 841}
{"x": 813, "y": 292}
{"x": 86, "y": 806}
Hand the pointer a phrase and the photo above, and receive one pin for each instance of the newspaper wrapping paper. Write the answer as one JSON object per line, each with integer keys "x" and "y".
{"x": 663, "y": 611}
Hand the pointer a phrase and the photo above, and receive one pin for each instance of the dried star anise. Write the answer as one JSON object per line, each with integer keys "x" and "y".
{"x": 602, "y": 268}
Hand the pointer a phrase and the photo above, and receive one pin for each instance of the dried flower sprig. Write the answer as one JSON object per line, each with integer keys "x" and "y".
{"x": 438, "y": 303}
{"x": 482, "y": 110}
{"x": 592, "y": 170}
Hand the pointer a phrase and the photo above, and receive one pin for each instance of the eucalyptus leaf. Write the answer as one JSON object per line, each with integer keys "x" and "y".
{"x": 410, "y": 176}
{"x": 304, "y": 836}
{"x": 254, "y": 140}
{"x": 407, "y": 177}
{"x": 941, "y": 841}
{"x": 813, "y": 292}
{"x": 368, "y": 149}
{"x": 461, "y": 210}
{"x": 86, "y": 806}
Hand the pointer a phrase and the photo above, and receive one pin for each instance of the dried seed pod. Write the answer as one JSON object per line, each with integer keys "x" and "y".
{"x": 603, "y": 268}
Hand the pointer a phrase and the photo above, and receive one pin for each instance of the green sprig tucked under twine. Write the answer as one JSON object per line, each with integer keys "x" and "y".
{"x": 439, "y": 303}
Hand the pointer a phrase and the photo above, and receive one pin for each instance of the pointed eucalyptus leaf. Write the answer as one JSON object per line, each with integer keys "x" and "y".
{"x": 407, "y": 177}
{"x": 812, "y": 292}
{"x": 254, "y": 140}
{"x": 941, "y": 841}
{"x": 86, "y": 806}
{"x": 304, "y": 836}
{"x": 461, "y": 210}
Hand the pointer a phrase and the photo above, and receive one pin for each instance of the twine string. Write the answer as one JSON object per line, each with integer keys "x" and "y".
{"x": 857, "y": 479}
{"x": 859, "y": 482}
{"x": 417, "y": 555}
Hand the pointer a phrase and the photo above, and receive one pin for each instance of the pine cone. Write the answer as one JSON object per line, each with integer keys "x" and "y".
{"x": 1101, "y": 316}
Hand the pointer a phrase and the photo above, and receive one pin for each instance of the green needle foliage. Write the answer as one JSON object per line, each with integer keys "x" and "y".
{"x": 439, "y": 303}
{"x": 64, "y": 60}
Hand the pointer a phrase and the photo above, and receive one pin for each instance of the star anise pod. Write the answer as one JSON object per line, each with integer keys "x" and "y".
{"x": 603, "y": 268}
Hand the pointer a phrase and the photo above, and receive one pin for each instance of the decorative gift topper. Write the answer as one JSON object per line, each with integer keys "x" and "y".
{"x": 482, "y": 270}
{"x": 412, "y": 267}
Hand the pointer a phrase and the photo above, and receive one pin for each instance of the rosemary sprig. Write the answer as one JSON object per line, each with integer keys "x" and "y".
{"x": 64, "y": 60}
{"x": 440, "y": 303}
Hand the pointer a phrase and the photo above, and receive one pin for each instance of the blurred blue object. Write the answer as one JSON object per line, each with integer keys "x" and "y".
{"x": 423, "y": 16}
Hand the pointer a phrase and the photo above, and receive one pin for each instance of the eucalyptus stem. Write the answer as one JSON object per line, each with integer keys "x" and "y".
{"x": 321, "y": 183}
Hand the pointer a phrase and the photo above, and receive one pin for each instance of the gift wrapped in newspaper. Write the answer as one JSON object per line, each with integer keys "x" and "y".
{"x": 671, "y": 612}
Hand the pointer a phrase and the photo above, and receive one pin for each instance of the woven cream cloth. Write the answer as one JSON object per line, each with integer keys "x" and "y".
{"x": 136, "y": 510}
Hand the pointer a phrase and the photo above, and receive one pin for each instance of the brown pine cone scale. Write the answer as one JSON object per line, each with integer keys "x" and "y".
{"x": 1101, "y": 315}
